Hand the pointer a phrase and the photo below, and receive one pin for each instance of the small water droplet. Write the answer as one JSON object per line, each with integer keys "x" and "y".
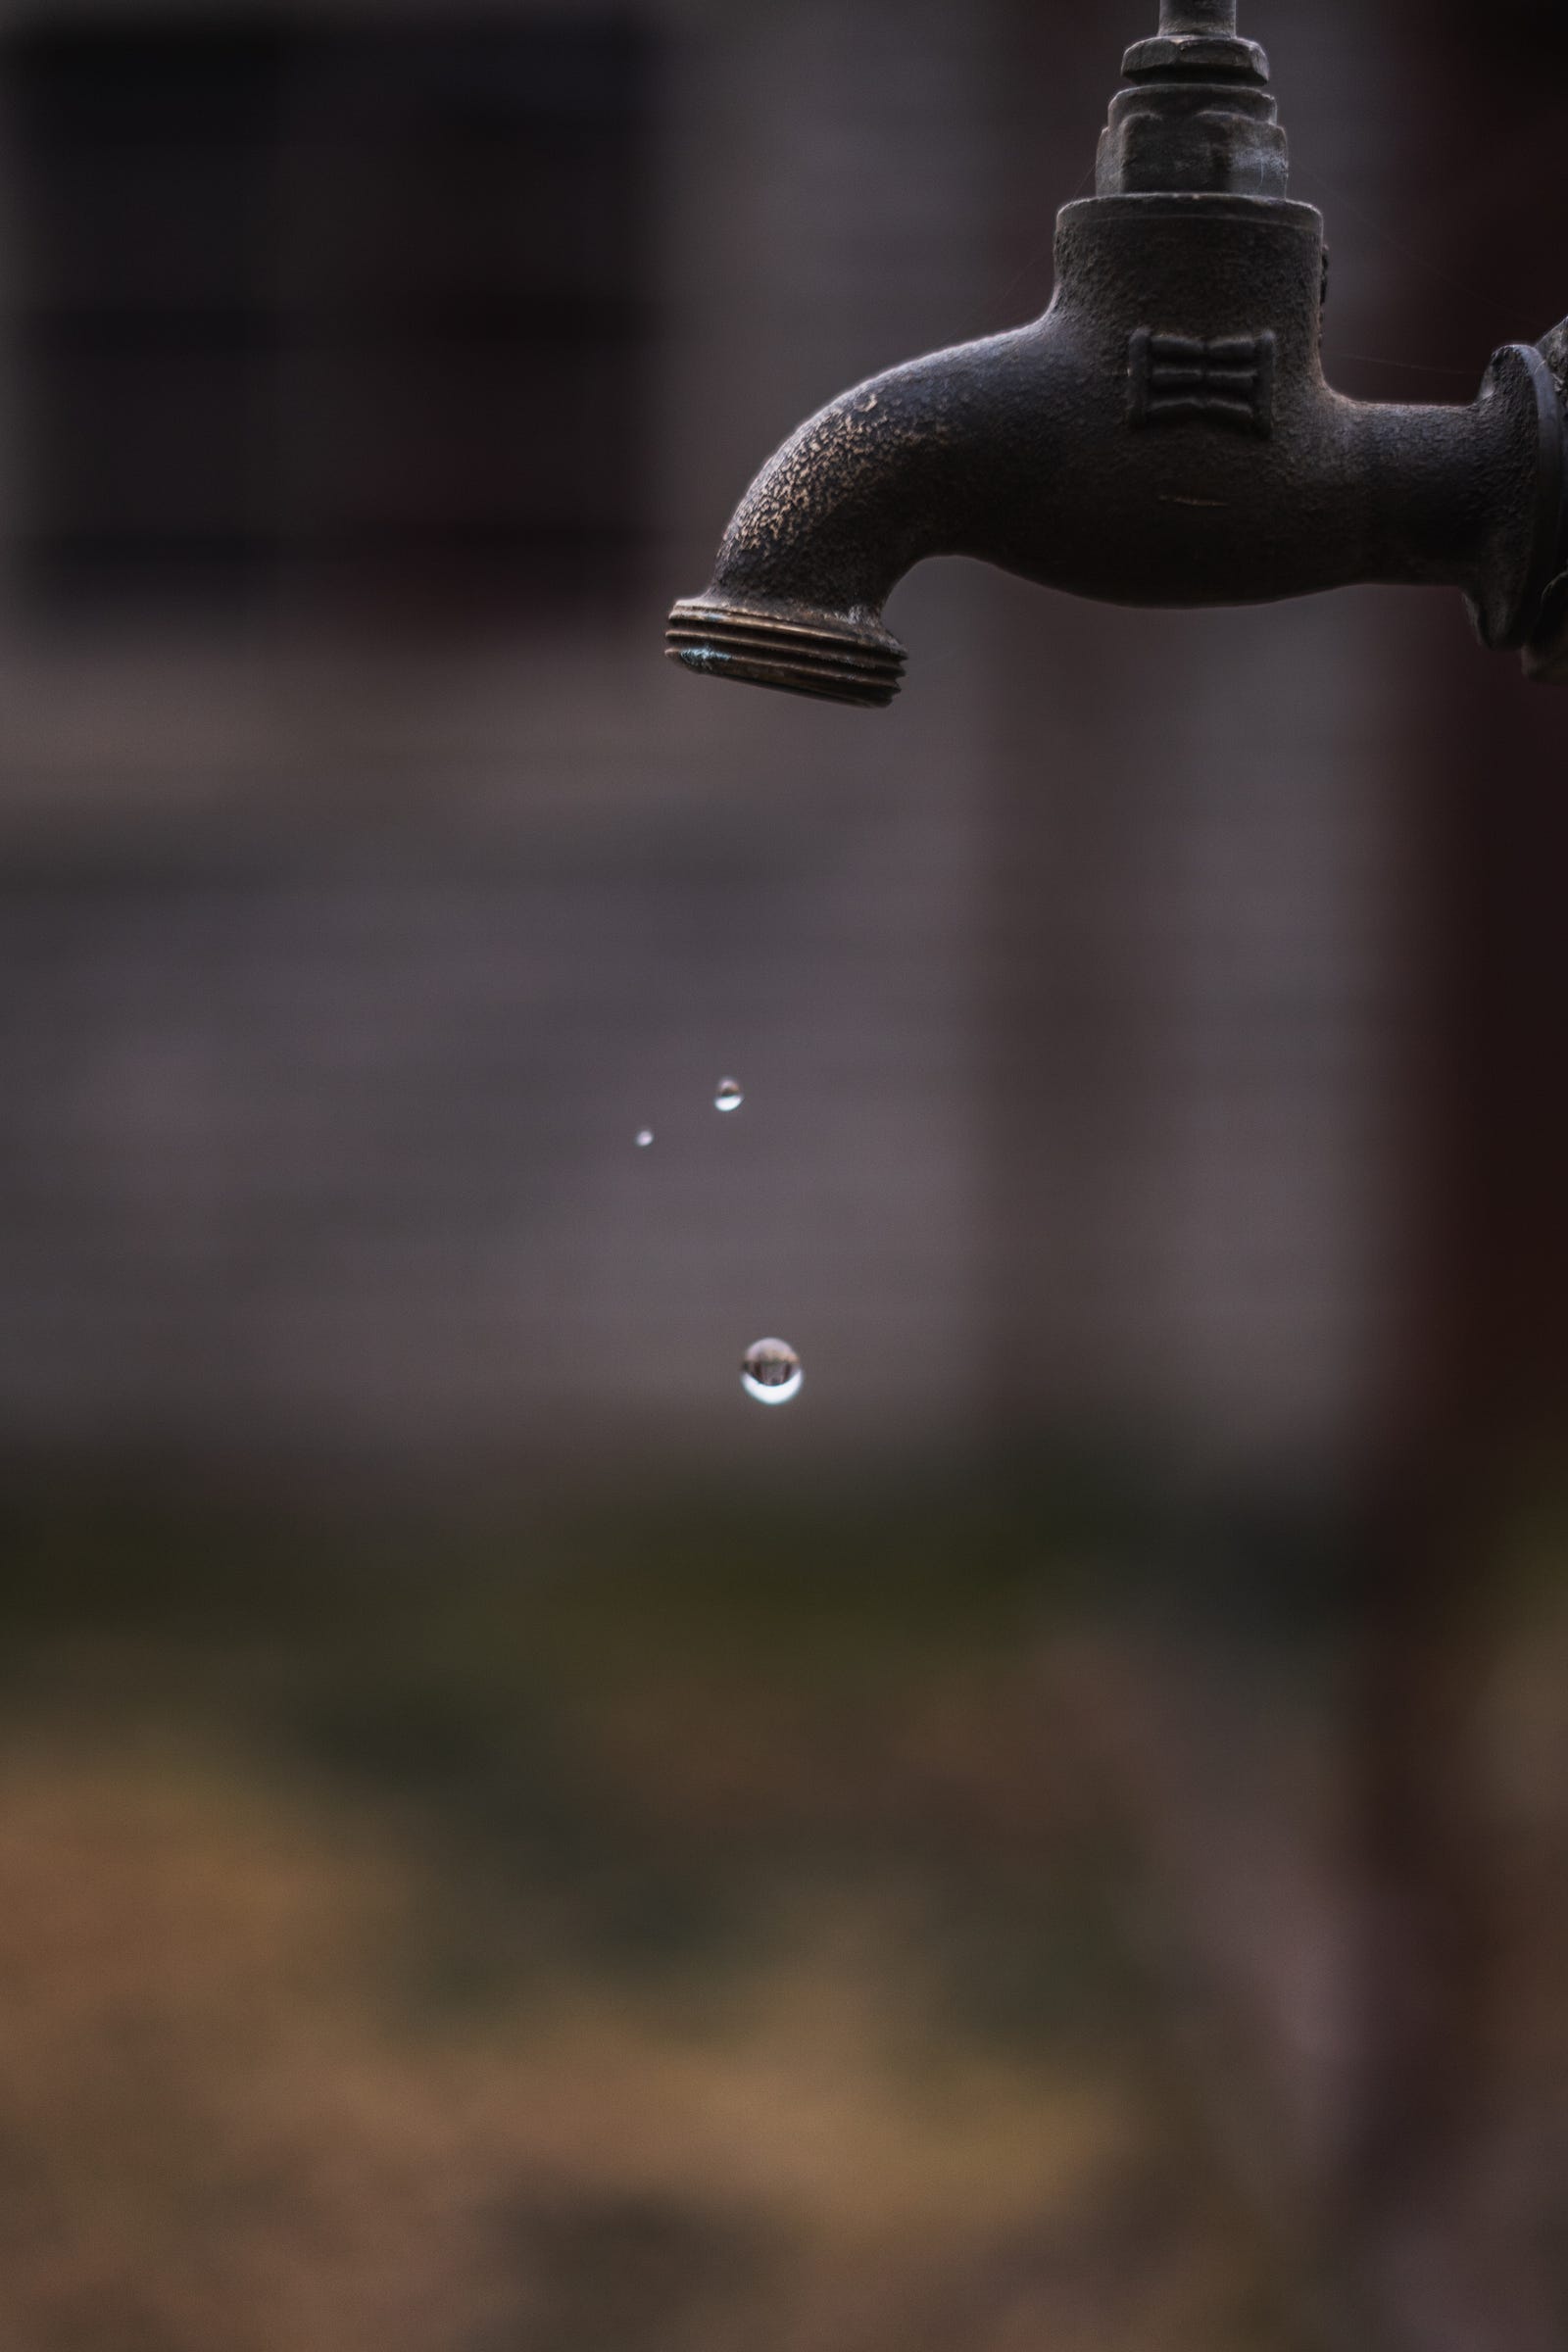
{"x": 727, "y": 1095}
{"x": 645, "y": 1137}
{"x": 772, "y": 1372}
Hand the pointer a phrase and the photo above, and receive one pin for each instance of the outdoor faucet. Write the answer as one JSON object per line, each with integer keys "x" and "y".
{"x": 1163, "y": 435}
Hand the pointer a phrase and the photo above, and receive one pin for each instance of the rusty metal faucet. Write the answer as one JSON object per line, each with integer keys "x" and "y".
{"x": 1163, "y": 435}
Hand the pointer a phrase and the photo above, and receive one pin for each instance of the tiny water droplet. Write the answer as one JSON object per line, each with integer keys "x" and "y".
{"x": 728, "y": 1096}
{"x": 772, "y": 1372}
{"x": 645, "y": 1137}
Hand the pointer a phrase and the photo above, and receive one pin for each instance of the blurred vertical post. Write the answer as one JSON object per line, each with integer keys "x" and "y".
{"x": 1424, "y": 2230}
{"x": 1433, "y": 2212}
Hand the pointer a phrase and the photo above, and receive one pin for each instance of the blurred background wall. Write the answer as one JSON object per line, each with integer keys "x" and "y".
{"x": 1056, "y": 1835}
{"x": 370, "y": 374}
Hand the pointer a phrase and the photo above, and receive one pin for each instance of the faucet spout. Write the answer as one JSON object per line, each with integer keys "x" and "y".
{"x": 1162, "y": 435}
{"x": 898, "y": 469}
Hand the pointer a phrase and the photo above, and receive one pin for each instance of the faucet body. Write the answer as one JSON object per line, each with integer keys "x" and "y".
{"x": 1162, "y": 435}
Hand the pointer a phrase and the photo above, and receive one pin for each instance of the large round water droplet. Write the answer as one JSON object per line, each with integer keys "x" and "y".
{"x": 772, "y": 1372}
{"x": 645, "y": 1138}
{"x": 727, "y": 1095}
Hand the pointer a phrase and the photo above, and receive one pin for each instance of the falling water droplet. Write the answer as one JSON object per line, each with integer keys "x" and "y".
{"x": 728, "y": 1096}
{"x": 645, "y": 1137}
{"x": 772, "y": 1372}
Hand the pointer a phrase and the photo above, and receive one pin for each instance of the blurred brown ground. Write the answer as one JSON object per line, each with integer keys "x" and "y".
{"x": 621, "y": 1967}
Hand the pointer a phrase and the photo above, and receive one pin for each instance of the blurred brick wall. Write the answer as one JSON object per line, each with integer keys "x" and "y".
{"x": 341, "y": 972}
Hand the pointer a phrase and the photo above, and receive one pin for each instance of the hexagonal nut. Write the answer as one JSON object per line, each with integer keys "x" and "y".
{"x": 1203, "y": 152}
{"x": 1195, "y": 53}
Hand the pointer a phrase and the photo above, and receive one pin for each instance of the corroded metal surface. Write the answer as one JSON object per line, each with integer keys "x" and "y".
{"x": 1163, "y": 435}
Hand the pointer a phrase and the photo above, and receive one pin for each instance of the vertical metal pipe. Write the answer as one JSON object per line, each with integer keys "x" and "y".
{"x": 1197, "y": 16}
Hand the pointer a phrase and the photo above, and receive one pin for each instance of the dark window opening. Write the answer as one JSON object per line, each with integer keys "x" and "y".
{"x": 331, "y": 320}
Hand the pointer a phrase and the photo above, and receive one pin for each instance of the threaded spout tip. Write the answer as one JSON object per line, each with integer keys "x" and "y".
{"x": 795, "y": 651}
